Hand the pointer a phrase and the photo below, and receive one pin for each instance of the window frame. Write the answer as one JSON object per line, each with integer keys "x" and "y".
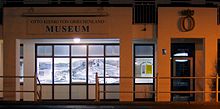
{"x": 87, "y": 57}
{"x": 134, "y": 77}
{"x": 21, "y": 80}
{"x": 135, "y": 57}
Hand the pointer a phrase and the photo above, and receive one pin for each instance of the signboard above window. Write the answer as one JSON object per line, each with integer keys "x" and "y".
{"x": 67, "y": 25}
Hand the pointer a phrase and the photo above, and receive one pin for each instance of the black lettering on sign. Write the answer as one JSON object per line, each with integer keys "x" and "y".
{"x": 55, "y": 28}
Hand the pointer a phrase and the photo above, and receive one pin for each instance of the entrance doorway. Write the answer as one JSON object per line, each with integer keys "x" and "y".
{"x": 182, "y": 69}
{"x": 143, "y": 72}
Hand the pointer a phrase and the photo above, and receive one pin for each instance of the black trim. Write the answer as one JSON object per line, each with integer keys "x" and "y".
{"x": 87, "y": 73}
{"x": 104, "y": 88}
{"x": 70, "y": 69}
{"x": 52, "y": 73}
{"x": 21, "y": 57}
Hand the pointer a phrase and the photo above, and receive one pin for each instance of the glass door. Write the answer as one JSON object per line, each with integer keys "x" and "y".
{"x": 143, "y": 70}
{"x": 182, "y": 67}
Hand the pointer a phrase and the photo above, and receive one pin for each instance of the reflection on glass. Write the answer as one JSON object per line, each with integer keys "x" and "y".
{"x": 21, "y": 70}
{"x": 96, "y": 50}
{"x": 143, "y": 68}
{"x": 78, "y": 70}
{"x": 61, "y": 71}
{"x": 44, "y": 70}
{"x": 78, "y": 50}
{"x": 112, "y": 50}
{"x": 61, "y": 50}
{"x": 144, "y": 50}
{"x": 44, "y": 50}
{"x": 96, "y": 65}
{"x": 112, "y": 66}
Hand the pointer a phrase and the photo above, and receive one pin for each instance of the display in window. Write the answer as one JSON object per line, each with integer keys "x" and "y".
{"x": 96, "y": 65}
{"x": 143, "y": 68}
{"x": 53, "y": 63}
{"x": 44, "y": 70}
{"x": 112, "y": 66}
{"x": 78, "y": 70}
{"x": 61, "y": 70}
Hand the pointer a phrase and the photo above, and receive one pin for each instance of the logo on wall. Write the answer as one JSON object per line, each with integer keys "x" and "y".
{"x": 187, "y": 22}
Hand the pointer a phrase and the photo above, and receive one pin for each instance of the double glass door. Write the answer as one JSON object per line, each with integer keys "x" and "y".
{"x": 182, "y": 69}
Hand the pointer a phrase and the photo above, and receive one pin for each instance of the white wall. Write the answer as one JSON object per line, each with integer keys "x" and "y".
{"x": 29, "y": 61}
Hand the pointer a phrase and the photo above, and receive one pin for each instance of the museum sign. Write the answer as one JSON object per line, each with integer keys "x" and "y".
{"x": 59, "y": 25}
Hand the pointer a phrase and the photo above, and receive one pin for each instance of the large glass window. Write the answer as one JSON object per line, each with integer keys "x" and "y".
{"x": 144, "y": 63}
{"x": 77, "y": 63}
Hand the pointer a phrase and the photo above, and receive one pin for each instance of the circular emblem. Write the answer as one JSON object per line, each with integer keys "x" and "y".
{"x": 187, "y": 22}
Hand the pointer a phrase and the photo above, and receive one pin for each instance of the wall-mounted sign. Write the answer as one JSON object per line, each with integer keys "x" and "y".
{"x": 65, "y": 25}
{"x": 187, "y": 22}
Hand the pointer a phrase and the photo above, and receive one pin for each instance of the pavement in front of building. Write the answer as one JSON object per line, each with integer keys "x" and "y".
{"x": 104, "y": 105}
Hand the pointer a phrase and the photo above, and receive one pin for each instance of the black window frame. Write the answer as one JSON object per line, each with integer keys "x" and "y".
{"x": 21, "y": 58}
{"x": 104, "y": 84}
{"x": 134, "y": 77}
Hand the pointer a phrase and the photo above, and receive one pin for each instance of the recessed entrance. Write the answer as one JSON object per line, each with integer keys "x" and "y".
{"x": 182, "y": 70}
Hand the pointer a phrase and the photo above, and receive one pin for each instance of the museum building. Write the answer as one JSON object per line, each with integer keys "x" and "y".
{"x": 141, "y": 50}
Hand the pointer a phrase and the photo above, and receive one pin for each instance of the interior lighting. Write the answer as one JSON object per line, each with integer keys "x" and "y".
{"x": 76, "y": 40}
